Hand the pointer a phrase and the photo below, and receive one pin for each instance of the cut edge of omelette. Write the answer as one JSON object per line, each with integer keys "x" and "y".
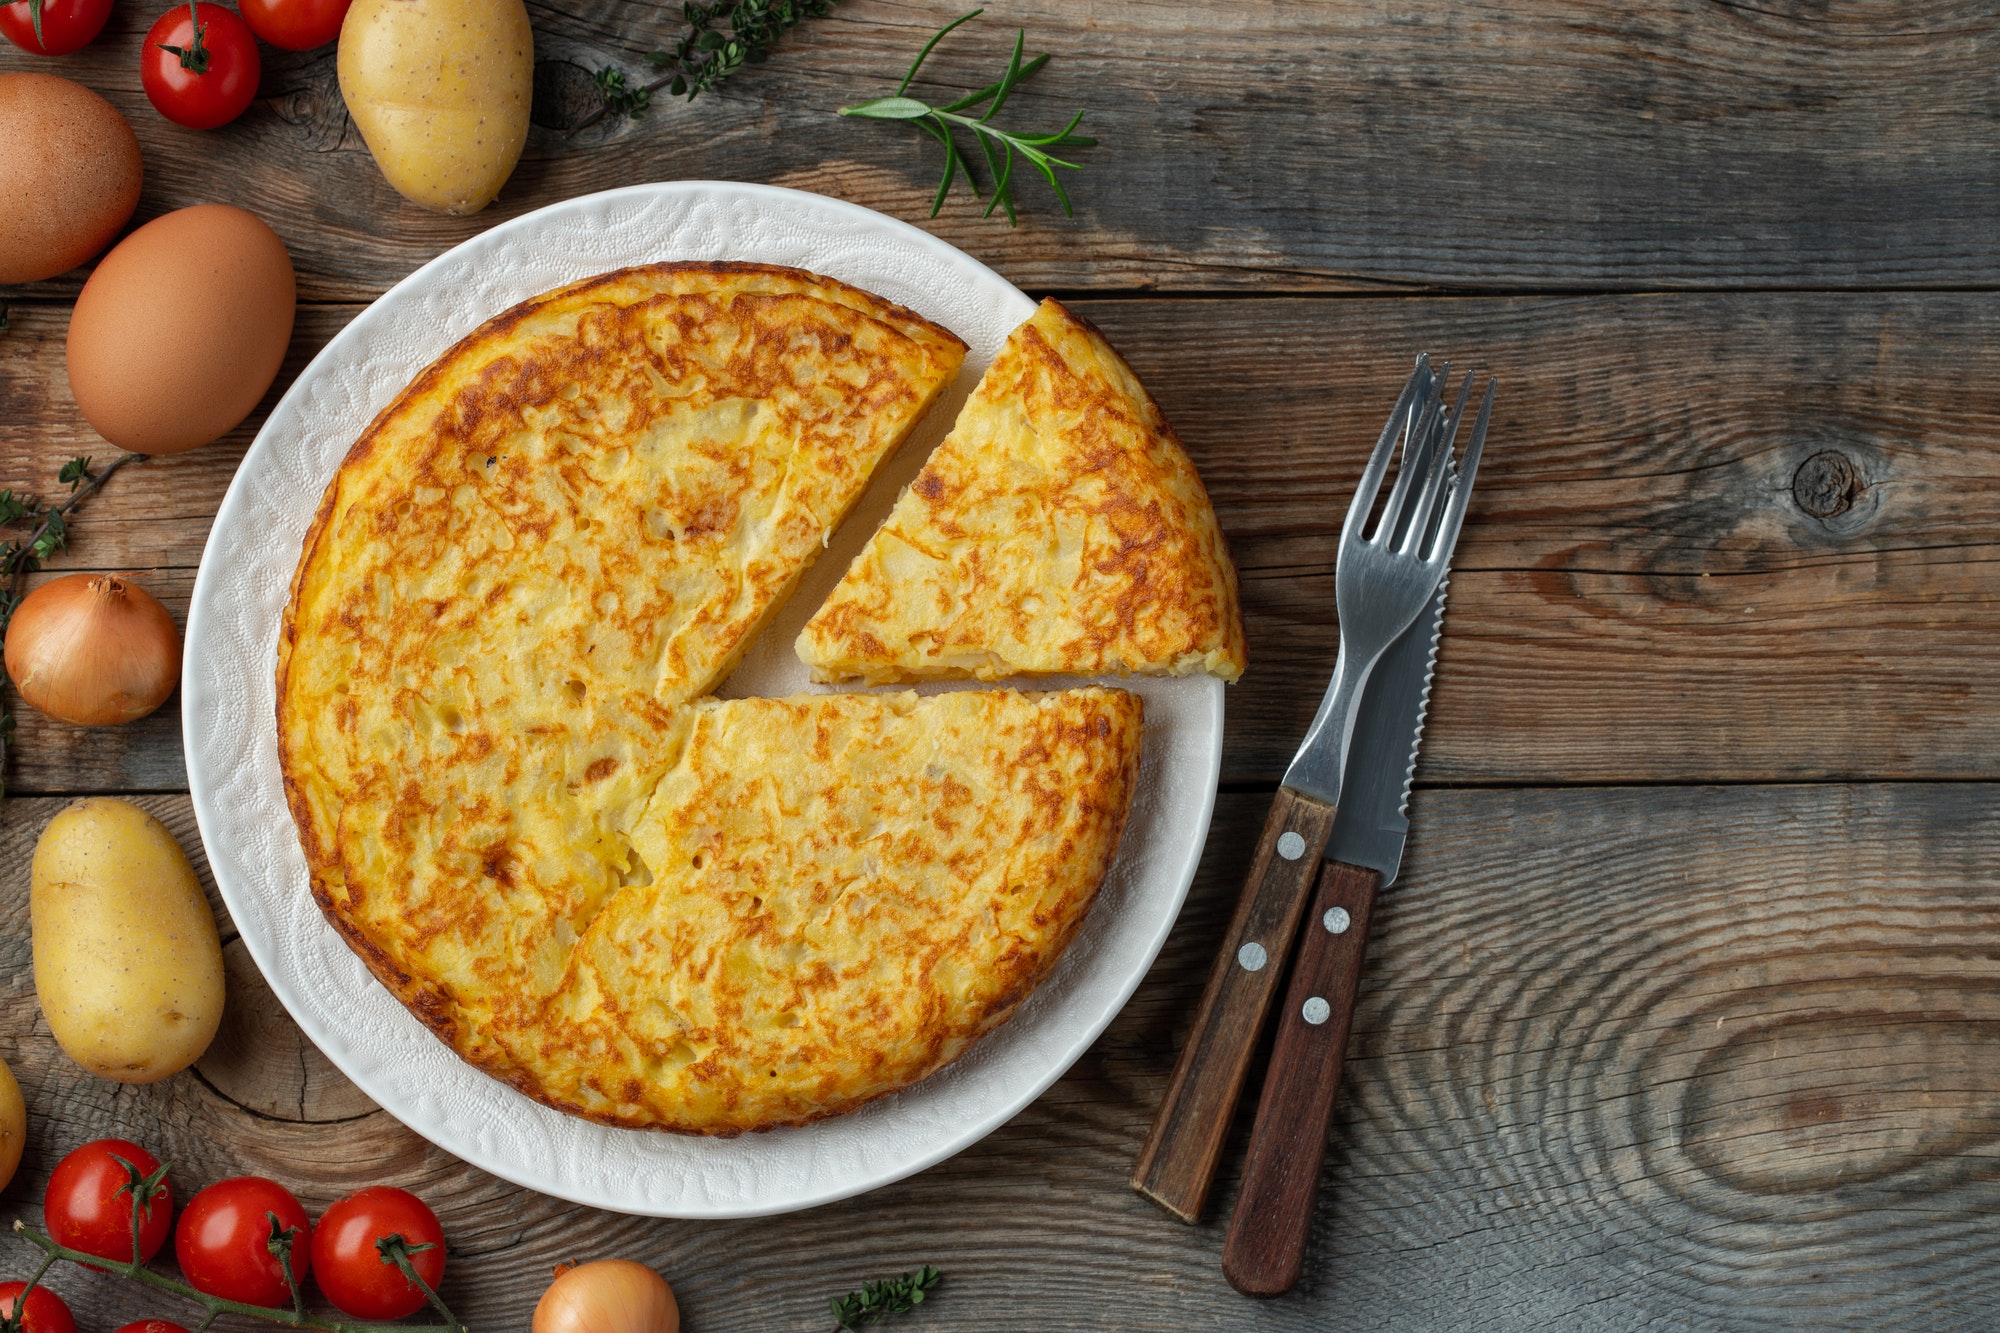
{"x": 1060, "y": 529}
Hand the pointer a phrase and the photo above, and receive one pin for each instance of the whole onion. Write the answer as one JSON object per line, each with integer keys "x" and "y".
{"x": 608, "y": 1296}
{"x": 93, "y": 649}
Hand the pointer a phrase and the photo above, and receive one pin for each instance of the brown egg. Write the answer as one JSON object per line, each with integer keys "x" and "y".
{"x": 69, "y": 175}
{"x": 181, "y": 329}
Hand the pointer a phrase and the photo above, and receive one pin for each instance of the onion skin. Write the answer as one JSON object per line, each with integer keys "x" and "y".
{"x": 93, "y": 649}
{"x": 608, "y": 1296}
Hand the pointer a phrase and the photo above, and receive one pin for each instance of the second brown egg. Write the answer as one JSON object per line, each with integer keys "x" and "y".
{"x": 181, "y": 329}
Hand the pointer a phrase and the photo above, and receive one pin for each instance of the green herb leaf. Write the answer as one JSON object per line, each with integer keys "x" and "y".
{"x": 720, "y": 38}
{"x": 4, "y": 325}
{"x": 75, "y": 472}
{"x": 620, "y": 99}
{"x": 897, "y": 1295}
{"x": 53, "y": 537}
{"x": 889, "y": 108}
{"x": 997, "y": 147}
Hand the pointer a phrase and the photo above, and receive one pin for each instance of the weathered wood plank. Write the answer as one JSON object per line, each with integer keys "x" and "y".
{"x": 1267, "y": 146}
{"x": 1646, "y": 590}
{"x": 1624, "y": 1059}
{"x": 1714, "y": 538}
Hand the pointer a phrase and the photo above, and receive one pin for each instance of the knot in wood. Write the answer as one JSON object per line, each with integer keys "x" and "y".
{"x": 1827, "y": 484}
{"x": 565, "y": 95}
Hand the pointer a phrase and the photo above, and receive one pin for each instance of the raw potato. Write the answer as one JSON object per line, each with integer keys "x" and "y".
{"x": 13, "y": 1124}
{"x": 127, "y": 962}
{"x": 440, "y": 90}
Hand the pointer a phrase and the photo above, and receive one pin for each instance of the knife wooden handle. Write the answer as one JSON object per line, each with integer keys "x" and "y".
{"x": 1266, "y": 1247}
{"x": 1177, "y": 1164}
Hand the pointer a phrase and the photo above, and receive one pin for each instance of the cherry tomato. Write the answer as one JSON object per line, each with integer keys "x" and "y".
{"x": 200, "y": 83}
{"x": 66, "y": 25}
{"x": 87, "y": 1206}
{"x": 352, "y": 1272}
{"x": 295, "y": 25}
{"x": 152, "y": 1326}
{"x": 44, "y": 1312}
{"x": 223, "y": 1241}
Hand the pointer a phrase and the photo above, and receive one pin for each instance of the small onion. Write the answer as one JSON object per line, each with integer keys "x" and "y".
{"x": 609, "y": 1296}
{"x": 93, "y": 649}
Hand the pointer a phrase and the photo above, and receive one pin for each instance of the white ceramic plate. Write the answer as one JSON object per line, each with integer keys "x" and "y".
{"x": 228, "y": 705}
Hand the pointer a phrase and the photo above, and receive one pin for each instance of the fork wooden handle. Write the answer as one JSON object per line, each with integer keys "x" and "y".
{"x": 1177, "y": 1165}
{"x": 1266, "y": 1246}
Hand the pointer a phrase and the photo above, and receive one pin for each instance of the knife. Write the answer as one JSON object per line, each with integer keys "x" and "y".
{"x": 1265, "y": 1249}
{"x": 1375, "y": 573}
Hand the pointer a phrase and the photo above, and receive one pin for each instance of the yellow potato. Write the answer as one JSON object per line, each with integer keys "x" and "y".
{"x": 13, "y": 1124}
{"x": 127, "y": 963}
{"x": 440, "y": 91}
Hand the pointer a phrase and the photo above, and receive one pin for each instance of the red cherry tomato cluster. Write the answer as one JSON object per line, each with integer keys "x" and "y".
{"x": 223, "y": 1239}
{"x": 199, "y": 64}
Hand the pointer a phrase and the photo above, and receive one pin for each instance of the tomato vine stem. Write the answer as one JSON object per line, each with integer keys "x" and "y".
{"x": 214, "y": 1305}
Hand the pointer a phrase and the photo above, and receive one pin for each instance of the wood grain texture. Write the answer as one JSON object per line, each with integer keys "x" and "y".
{"x": 1177, "y": 1164}
{"x": 1264, "y": 1253}
{"x": 1716, "y": 1059}
{"x": 1716, "y": 537}
{"x": 1261, "y": 146}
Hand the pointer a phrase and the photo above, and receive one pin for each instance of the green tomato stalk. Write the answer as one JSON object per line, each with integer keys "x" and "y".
{"x": 194, "y": 56}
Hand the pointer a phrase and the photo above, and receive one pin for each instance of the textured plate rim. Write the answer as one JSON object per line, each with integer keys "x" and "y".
{"x": 1080, "y": 1029}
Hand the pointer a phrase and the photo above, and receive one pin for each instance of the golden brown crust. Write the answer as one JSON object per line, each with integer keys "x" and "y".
{"x": 1059, "y": 529}
{"x": 516, "y": 588}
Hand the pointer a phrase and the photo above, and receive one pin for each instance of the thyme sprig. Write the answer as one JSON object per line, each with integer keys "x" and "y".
{"x": 721, "y": 37}
{"x": 393, "y": 1249}
{"x": 896, "y": 1295}
{"x": 48, "y": 533}
{"x": 996, "y": 145}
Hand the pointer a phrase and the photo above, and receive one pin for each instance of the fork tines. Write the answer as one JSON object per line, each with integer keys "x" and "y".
{"x": 1426, "y": 526}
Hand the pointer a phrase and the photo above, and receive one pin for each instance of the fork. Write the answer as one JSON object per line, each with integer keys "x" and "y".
{"x": 1383, "y": 579}
{"x": 1388, "y": 569}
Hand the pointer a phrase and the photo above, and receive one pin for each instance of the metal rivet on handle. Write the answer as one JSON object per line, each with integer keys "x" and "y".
{"x": 1291, "y": 846}
{"x": 1316, "y": 1011}
{"x": 1252, "y": 957}
{"x": 1336, "y": 920}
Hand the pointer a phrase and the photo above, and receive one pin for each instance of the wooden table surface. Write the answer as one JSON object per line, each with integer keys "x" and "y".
{"x": 1686, "y": 1011}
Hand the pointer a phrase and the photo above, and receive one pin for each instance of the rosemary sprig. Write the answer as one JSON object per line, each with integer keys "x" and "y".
{"x": 721, "y": 37}
{"x": 48, "y": 533}
{"x": 996, "y": 145}
{"x": 896, "y": 1295}
{"x": 393, "y": 1249}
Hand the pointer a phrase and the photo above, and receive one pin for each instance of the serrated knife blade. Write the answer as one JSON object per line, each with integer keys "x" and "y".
{"x": 1373, "y": 821}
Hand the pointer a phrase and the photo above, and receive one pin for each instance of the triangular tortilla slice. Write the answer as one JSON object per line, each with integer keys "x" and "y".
{"x": 1059, "y": 529}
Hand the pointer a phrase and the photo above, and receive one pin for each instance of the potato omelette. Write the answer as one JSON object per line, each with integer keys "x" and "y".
{"x": 1059, "y": 529}
{"x": 634, "y": 903}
